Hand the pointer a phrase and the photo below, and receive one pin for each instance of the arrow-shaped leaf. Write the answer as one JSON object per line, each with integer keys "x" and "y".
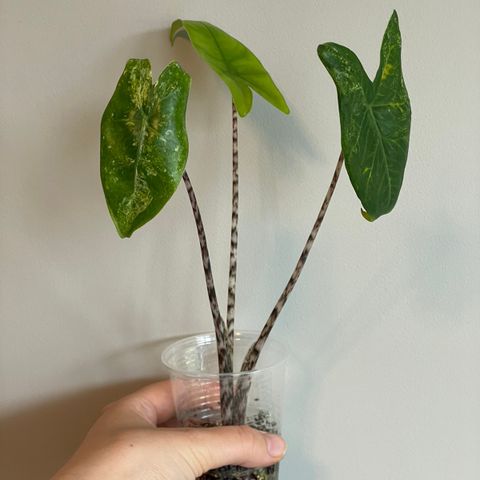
{"x": 144, "y": 143}
{"x": 375, "y": 120}
{"x": 234, "y": 63}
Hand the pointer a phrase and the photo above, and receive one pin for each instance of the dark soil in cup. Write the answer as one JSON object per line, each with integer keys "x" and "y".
{"x": 239, "y": 473}
{"x": 261, "y": 421}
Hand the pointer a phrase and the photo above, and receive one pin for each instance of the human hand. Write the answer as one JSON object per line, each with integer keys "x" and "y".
{"x": 128, "y": 441}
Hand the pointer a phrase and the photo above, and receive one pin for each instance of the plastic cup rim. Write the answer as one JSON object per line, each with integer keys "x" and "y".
{"x": 211, "y": 335}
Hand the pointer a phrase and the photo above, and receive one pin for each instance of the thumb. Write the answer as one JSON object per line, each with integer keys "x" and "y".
{"x": 238, "y": 445}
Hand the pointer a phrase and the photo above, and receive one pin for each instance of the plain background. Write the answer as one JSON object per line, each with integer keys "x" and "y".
{"x": 384, "y": 376}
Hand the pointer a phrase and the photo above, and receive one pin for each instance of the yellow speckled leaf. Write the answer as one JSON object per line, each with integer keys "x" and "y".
{"x": 144, "y": 143}
{"x": 375, "y": 121}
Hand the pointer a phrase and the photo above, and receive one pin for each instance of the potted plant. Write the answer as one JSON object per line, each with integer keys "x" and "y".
{"x": 144, "y": 148}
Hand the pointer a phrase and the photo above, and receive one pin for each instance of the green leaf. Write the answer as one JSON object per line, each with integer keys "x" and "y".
{"x": 144, "y": 143}
{"x": 375, "y": 120}
{"x": 234, "y": 63}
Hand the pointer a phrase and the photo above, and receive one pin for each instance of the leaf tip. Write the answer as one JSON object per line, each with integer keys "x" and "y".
{"x": 121, "y": 230}
{"x": 326, "y": 52}
{"x": 176, "y": 26}
{"x": 175, "y": 68}
{"x": 123, "y": 235}
{"x": 320, "y": 50}
{"x": 367, "y": 216}
{"x": 393, "y": 22}
{"x": 138, "y": 62}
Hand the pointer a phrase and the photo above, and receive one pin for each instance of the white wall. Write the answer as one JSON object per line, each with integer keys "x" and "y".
{"x": 384, "y": 326}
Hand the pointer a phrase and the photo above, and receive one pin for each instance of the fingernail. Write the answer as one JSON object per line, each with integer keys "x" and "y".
{"x": 276, "y": 446}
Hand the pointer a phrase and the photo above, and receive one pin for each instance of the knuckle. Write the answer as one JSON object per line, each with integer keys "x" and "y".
{"x": 110, "y": 406}
{"x": 245, "y": 433}
{"x": 115, "y": 406}
{"x": 138, "y": 406}
{"x": 198, "y": 458}
{"x": 192, "y": 435}
{"x": 248, "y": 438}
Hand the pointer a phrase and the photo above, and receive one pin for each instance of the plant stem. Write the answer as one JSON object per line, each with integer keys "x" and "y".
{"x": 252, "y": 355}
{"x": 251, "y": 358}
{"x": 232, "y": 278}
{"x": 207, "y": 268}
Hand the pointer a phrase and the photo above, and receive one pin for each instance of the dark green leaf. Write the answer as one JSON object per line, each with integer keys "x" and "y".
{"x": 375, "y": 120}
{"x": 234, "y": 63}
{"x": 144, "y": 143}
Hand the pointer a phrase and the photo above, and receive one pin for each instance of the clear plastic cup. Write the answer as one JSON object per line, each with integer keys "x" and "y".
{"x": 193, "y": 367}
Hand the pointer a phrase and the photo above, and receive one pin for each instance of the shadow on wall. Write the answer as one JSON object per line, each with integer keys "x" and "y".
{"x": 311, "y": 361}
{"x": 285, "y": 138}
{"x": 445, "y": 271}
{"x": 35, "y": 442}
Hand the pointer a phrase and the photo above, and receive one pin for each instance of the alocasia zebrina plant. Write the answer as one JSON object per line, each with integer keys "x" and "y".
{"x": 144, "y": 150}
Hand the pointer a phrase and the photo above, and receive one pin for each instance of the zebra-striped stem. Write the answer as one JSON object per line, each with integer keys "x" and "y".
{"x": 228, "y": 382}
{"x": 232, "y": 278}
{"x": 224, "y": 360}
{"x": 253, "y": 353}
{"x": 207, "y": 268}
